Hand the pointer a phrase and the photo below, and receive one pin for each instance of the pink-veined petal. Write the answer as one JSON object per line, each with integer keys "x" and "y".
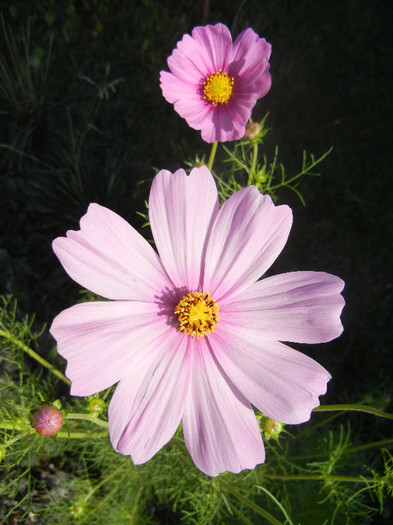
{"x": 181, "y": 210}
{"x": 220, "y": 127}
{"x": 219, "y": 425}
{"x": 175, "y": 89}
{"x": 281, "y": 382}
{"x": 188, "y": 62}
{"x": 247, "y": 236}
{"x": 250, "y": 62}
{"x": 102, "y": 340}
{"x": 196, "y": 113}
{"x": 110, "y": 258}
{"x": 216, "y": 42}
{"x": 147, "y": 405}
{"x": 301, "y": 307}
{"x": 197, "y": 56}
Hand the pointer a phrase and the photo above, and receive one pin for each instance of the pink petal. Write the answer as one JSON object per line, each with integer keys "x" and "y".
{"x": 196, "y": 112}
{"x": 302, "y": 307}
{"x": 220, "y": 428}
{"x": 181, "y": 209}
{"x": 147, "y": 405}
{"x": 250, "y": 62}
{"x": 110, "y": 258}
{"x": 189, "y": 62}
{"x": 216, "y": 42}
{"x": 247, "y": 236}
{"x": 187, "y": 101}
{"x": 199, "y": 55}
{"x": 102, "y": 340}
{"x": 175, "y": 89}
{"x": 282, "y": 383}
{"x": 220, "y": 128}
{"x": 240, "y": 110}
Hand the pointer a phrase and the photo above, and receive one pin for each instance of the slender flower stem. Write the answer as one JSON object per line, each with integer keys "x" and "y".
{"x": 87, "y": 417}
{"x": 238, "y": 513}
{"x": 251, "y": 173}
{"x": 320, "y": 477}
{"x": 78, "y": 435}
{"x": 25, "y": 426}
{"x": 102, "y": 482}
{"x": 9, "y": 337}
{"x": 356, "y": 408}
{"x": 380, "y": 444}
{"x": 11, "y": 425}
{"x": 212, "y": 155}
{"x": 350, "y": 450}
{"x": 259, "y": 510}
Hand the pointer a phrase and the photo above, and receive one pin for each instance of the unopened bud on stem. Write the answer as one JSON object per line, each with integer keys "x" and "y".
{"x": 47, "y": 421}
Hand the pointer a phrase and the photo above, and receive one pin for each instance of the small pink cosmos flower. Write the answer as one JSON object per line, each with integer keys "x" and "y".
{"x": 47, "y": 421}
{"x": 191, "y": 335}
{"x": 214, "y": 83}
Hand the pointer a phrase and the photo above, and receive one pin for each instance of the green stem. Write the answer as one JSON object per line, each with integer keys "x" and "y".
{"x": 78, "y": 435}
{"x": 356, "y": 408}
{"x": 212, "y": 155}
{"x": 251, "y": 173}
{"x": 10, "y": 425}
{"x": 305, "y": 170}
{"x": 259, "y": 510}
{"x": 380, "y": 444}
{"x": 87, "y": 417}
{"x": 238, "y": 513}
{"x": 102, "y": 482}
{"x": 350, "y": 450}
{"x": 319, "y": 477}
{"x": 9, "y": 337}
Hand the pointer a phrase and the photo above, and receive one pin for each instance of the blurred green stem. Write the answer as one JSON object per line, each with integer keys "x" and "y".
{"x": 88, "y": 417}
{"x": 212, "y": 155}
{"x": 11, "y": 425}
{"x": 354, "y": 407}
{"x": 320, "y": 477}
{"x": 102, "y": 482}
{"x": 9, "y": 337}
{"x": 251, "y": 173}
{"x": 259, "y": 510}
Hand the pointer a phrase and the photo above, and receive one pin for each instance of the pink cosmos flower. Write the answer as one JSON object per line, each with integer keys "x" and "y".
{"x": 214, "y": 83}
{"x": 191, "y": 334}
{"x": 47, "y": 421}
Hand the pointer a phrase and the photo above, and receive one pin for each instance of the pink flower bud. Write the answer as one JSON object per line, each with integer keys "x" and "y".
{"x": 252, "y": 130}
{"x": 47, "y": 421}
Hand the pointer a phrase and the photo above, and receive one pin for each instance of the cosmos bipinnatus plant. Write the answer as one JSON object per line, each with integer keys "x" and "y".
{"x": 182, "y": 399}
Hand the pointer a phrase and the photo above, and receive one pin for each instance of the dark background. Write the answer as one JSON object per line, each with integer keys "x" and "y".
{"x": 82, "y": 119}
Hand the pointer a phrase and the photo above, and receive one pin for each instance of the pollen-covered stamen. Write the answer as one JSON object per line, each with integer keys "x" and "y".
{"x": 217, "y": 88}
{"x": 198, "y": 314}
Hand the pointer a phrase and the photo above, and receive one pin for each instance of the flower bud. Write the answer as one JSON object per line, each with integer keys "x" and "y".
{"x": 47, "y": 421}
{"x": 252, "y": 130}
{"x": 96, "y": 405}
{"x": 271, "y": 428}
{"x": 77, "y": 510}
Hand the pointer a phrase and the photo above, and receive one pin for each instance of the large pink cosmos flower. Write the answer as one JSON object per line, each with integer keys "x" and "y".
{"x": 192, "y": 335}
{"x": 214, "y": 83}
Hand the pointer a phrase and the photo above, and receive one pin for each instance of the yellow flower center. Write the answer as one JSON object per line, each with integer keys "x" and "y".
{"x": 217, "y": 88}
{"x": 197, "y": 313}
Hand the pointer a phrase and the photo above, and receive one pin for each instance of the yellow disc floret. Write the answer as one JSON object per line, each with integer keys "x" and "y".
{"x": 197, "y": 313}
{"x": 217, "y": 88}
